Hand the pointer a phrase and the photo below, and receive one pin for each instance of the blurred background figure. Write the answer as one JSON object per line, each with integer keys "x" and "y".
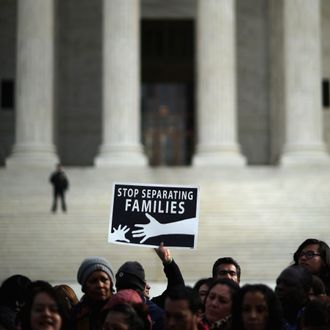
{"x": 60, "y": 184}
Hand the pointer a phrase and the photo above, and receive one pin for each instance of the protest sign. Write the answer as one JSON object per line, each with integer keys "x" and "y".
{"x": 146, "y": 215}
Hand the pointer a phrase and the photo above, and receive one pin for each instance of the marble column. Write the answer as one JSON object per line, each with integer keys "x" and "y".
{"x": 216, "y": 85}
{"x": 303, "y": 141}
{"x": 34, "y": 85}
{"x": 121, "y": 85}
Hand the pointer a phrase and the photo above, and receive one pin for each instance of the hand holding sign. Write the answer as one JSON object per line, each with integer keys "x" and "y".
{"x": 119, "y": 234}
{"x": 143, "y": 214}
{"x": 163, "y": 253}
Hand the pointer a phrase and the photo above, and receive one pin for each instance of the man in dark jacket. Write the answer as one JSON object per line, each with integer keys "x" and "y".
{"x": 292, "y": 288}
{"x": 60, "y": 184}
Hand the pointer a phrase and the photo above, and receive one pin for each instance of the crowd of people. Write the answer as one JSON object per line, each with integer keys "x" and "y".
{"x": 121, "y": 300}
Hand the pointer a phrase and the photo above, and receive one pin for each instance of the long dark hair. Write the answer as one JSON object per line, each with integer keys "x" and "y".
{"x": 233, "y": 286}
{"x": 136, "y": 315}
{"x": 13, "y": 292}
{"x": 44, "y": 287}
{"x": 275, "y": 319}
{"x": 324, "y": 251}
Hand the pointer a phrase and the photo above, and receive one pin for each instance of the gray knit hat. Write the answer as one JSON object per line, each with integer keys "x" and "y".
{"x": 90, "y": 265}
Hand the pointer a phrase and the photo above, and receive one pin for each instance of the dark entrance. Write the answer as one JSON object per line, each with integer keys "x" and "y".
{"x": 168, "y": 91}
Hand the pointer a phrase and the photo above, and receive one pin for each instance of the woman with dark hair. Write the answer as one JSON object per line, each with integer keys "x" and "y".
{"x": 256, "y": 307}
{"x": 13, "y": 292}
{"x": 45, "y": 309}
{"x": 202, "y": 287}
{"x": 314, "y": 255}
{"x": 127, "y": 316}
{"x": 317, "y": 290}
{"x": 13, "y": 295}
{"x": 68, "y": 294}
{"x": 316, "y": 315}
{"x": 218, "y": 304}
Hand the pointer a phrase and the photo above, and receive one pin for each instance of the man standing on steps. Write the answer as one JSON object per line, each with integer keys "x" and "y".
{"x": 60, "y": 184}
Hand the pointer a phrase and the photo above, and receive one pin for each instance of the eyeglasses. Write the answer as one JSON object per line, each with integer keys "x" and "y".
{"x": 225, "y": 272}
{"x": 308, "y": 254}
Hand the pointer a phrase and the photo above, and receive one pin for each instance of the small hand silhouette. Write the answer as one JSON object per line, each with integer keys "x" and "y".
{"x": 119, "y": 234}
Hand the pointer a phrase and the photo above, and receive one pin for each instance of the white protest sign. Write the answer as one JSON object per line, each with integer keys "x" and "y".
{"x": 146, "y": 215}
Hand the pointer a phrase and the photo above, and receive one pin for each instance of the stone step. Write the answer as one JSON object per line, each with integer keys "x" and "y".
{"x": 258, "y": 216}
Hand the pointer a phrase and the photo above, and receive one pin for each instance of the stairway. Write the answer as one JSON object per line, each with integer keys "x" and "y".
{"x": 258, "y": 215}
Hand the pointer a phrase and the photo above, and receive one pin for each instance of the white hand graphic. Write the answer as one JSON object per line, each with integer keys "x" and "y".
{"x": 155, "y": 228}
{"x": 151, "y": 229}
{"x": 119, "y": 234}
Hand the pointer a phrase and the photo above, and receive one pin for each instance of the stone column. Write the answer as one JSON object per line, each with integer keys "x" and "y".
{"x": 216, "y": 90}
{"x": 303, "y": 142}
{"x": 121, "y": 85}
{"x": 34, "y": 85}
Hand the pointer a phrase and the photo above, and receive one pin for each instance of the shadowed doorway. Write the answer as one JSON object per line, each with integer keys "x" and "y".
{"x": 168, "y": 91}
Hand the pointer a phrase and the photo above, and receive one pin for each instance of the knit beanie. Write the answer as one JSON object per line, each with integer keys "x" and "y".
{"x": 130, "y": 276}
{"x": 90, "y": 265}
{"x": 125, "y": 296}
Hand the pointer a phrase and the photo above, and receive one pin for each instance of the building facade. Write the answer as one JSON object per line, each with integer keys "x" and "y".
{"x": 149, "y": 83}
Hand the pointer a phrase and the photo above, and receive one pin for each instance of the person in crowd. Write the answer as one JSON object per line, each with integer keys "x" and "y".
{"x": 172, "y": 272}
{"x": 131, "y": 275}
{"x": 227, "y": 267}
{"x": 13, "y": 292}
{"x": 68, "y": 294}
{"x": 7, "y": 318}
{"x": 60, "y": 184}
{"x": 127, "y": 316}
{"x": 45, "y": 309}
{"x": 314, "y": 255}
{"x": 124, "y": 296}
{"x": 316, "y": 315}
{"x": 202, "y": 287}
{"x": 317, "y": 289}
{"x": 183, "y": 308}
{"x": 97, "y": 282}
{"x": 292, "y": 287}
{"x": 13, "y": 296}
{"x": 218, "y": 304}
{"x": 140, "y": 318}
{"x": 256, "y": 307}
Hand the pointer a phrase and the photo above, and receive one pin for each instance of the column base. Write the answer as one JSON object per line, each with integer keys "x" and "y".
{"x": 32, "y": 154}
{"x": 305, "y": 155}
{"x": 121, "y": 156}
{"x": 219, "y": 156}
